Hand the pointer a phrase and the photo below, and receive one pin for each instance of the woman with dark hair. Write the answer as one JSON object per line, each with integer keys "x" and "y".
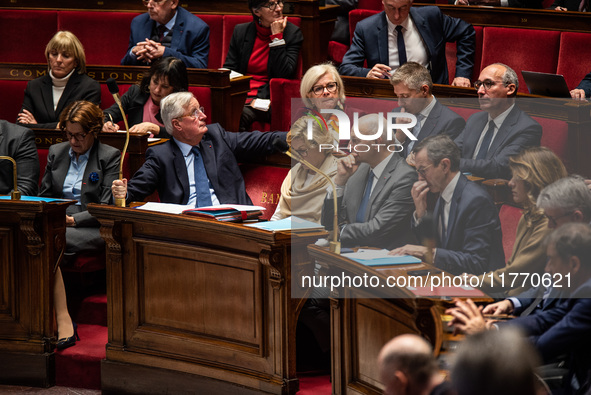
{"x": 141, "y": 102}
{"x": 81, "y": 169}
{"x": 65, "y": 82}
{"x": 266, "y": 48}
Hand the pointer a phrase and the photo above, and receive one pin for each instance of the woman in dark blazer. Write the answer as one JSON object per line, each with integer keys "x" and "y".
{"x": 81, "y": 169}
{"x": 65, "y": 82}
{"x": 167, "y": 75}
{"x": 266, "y": 48}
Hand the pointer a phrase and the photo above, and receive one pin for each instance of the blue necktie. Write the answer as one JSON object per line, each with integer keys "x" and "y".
{"x": 415, "y": 131}
{"x": 363, "y": 206}
{"x": 201, "y": 180}
{"x": 486, "y": 141}
{"x": 401, "y": 46}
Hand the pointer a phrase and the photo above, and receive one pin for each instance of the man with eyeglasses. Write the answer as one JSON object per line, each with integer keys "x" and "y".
{"x": 199, "y": 165}
{"x": 413, "y": 85}
{"x": 18, "y": 143}
{"x": 501, "y": 130}
{"x": 373, "y": 191}
{"x": 167, "y": 30}
{"x": 403, "y": 33}
{"x": 466, "y": 221}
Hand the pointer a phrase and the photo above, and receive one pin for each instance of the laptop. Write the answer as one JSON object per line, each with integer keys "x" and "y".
{"x": 545, "y": 84}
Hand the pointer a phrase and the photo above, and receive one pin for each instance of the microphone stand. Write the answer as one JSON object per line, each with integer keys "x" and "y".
{"x": 112, "y": 84}
{"x": 335, "y": 244}
{"x": 15, "y": 194}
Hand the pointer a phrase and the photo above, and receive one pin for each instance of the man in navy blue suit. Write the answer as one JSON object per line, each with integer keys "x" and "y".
{"x": 413, "y": 85}
{"x": 199, "y": 165}
{"x": 565, "y": 327}
{"x": 467, "y": 222}
{"x": 167, "y": 30}
{"x": 389, "y": 39}
{"x": 583, "y": 90}
{"x": 501, "y": 130}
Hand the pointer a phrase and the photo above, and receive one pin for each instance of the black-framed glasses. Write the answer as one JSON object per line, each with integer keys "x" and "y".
{"x": 157, "y": 2}
{"x": 273, "y": 4}
{"x": 196, "y": 113}
{"x": 318, "y": 90}
{"x": 423, "y": 170}
{"x": 487, "y": 84}
{"x": 76, "y": 136}
{"x": 552, "y": 220}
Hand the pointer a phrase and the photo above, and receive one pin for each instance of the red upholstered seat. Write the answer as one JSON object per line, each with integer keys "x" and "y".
{"x": 521, "y": 49}
{"x": 216, "y": 54}
{"x": 229, "y": 22}
{"x": 451, "y": 56}
{"x": 28, "y": 29}
{"x": 370, "y": 5}
{"x": 263, "y": 185}
{"x": 203, "y": 96}
{"x": 555, "y": 137}
{"x": 336, "y": 52}
{"x": 574, "y": 57}
{"x": 282, "y": 91}
{"x": 102, "y": 45}
{"x": 358, "y": 15}
{"x": 509, "y": 216}
{"x": 11, "y": 99}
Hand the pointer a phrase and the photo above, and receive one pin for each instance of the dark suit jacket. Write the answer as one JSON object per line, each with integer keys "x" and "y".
{"x": 133, "y": 102}
{"x": 283, "y": 59}
{"x": 190, "y": 39}
{"x": 370, "y": 43}
{"x": 440, "y": 120}
{"x": 18, "y": 143}
{"x": 518, "y": 131}
{"x": 102, "y": 160}
{"x": 585, "y": 85}
{"x": 166, "y": 172}
{"x": 389, "y": 209}
{"x": 39, "y": 97}
{"x": 473, "y": 241}
{"x": 563, "y": 328}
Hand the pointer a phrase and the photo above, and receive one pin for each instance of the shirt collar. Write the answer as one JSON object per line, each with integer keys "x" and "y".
{"x": 406, "y": 25}
{"x": 427, "y": 110}
{"x": 448, "y": 192}
{"x": 81, "y": 158}
{"x": 379, "y": 169}
{"x": 170, "y": 23}
{"x": 501, "y": 117}
{"x": 184, "y": 147}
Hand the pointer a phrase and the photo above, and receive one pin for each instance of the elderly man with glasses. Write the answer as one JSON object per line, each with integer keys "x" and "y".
{"x": 167, "y": 30}
{"x": 500, "y": 130}
{"x": 199, "y": 165}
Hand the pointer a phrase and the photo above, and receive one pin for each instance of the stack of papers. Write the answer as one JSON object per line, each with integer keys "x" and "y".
{"x": 380, "y": 258}
{"x": 293, "y": 224}
{"x": 227, "y": 212}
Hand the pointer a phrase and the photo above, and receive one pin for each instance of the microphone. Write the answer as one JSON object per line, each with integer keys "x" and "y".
{"x": 15, "y": 194}
{"x": 281, "y": 145}
{"x": 426, "y": 228}
{"x": 114, "y": 89}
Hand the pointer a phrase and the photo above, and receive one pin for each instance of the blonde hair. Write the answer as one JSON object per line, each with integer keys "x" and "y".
{"x": 299, "y": 130}
{"x": 538, "y": 167}
{"x": 312, "y": 76}
{"x": 65, "y": 41}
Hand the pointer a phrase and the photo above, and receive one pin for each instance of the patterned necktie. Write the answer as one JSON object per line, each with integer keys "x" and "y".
{"x": 161, "y": 32}
{"x": 486, "y": 141}
{"x": 401, "y": 46}
{"x": 363, "y": 206}
{"x": 415, "y": 131}
{"x": 201, "y": 180}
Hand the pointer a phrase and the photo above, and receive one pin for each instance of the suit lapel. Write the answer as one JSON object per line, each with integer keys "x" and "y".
{"x": 177, "y": 30}
{"x": 180, "y": 168}
{"x": 382, "y": 181}
{"x": 88, "y": 188}
{"x": 455, "y": 201}
{"x": 504, "y": 131}
{"x": 429, "y": 126}
{"x": 384, "y": 56}
{"x": 357, "y": 190}
{"x": 208, "y": 152}
{"x": 60, "y": 169}
{"x": 474, "y": 134}
{"x": 421, "y": 25}
{"x": 47, "y": 96}
{"x": 248, "y": 45}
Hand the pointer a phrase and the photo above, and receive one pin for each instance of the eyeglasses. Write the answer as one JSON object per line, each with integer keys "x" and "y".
{"x": 423, "y": 170}
{"x": 552, "y": 220}
{"x": 318, "y": 90}
{"x": 76, "y": 136}
{"x": 302, "y": 152}
{"x": 273, "y": 4}
{"x": 487, "y": 84}
{"x": 157, "y": 2}
{"x": 198, "y": 112}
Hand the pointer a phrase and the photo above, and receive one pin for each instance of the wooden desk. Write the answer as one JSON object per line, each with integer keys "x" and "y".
{"x": 198, "y": 304}
{"x": 32, "y": 235}
{"x": 361, "y": 323}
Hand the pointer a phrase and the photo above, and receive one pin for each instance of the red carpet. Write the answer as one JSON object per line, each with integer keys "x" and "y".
{"x": 315, "y": 385}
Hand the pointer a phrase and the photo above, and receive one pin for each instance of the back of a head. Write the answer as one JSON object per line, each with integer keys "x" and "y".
{"x": 573, "y": 239}
{"x": 495, "y": 362}
{"x": 413, "y": 75}
{"x": 567, "y": 194}
{"x": 85, "y": 113}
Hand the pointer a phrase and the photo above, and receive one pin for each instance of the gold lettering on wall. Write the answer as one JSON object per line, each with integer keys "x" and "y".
{"x": 272, "y": 198}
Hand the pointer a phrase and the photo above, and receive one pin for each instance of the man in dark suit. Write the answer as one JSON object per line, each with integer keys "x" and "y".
{"x": 18, "y": 143}
{"x": 583, "y": 90}
{"x": 565, "y": 327}
{"x": 373, "y": 190}
{"x": 167, "y": 30}
{"x": 199, "y": 165}
{"x": 389, "y": 39}
{"x": 467, "y": 222}
{"x": 501, "y": 130}
{"x": 413, "y": 85}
